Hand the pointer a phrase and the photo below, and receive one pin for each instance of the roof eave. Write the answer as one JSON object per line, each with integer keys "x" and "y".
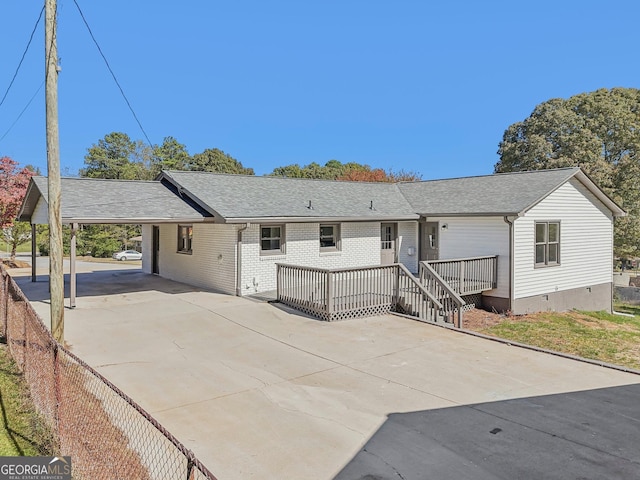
{"x": 24, "y": 215}
{"x": 472, "y": 214}
{"x": 586, "y": 180}
{"x": 327, "y": 219}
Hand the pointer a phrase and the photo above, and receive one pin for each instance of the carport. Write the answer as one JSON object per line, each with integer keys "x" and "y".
{"x": 91, "y": 201}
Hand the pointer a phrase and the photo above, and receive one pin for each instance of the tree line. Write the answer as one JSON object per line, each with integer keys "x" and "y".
{"x": 598, "y": 131}
{"x": 118, "y": 156}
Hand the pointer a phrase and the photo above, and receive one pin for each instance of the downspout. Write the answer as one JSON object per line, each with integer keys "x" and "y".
{"x": 239, "y": 259}
{"x": 511, "y": 260}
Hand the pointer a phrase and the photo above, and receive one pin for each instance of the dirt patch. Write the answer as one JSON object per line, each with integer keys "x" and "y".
{"x": 477, "y": 319}
{"x": 15, "y": 264}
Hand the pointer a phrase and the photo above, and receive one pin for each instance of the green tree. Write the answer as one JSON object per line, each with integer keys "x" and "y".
{"x": 336, "y": 170}
{"x": 598, "y": 131}
{"x": 332, "y": 170}
{"x": 171, "y": 155}
{"x": 16, "y": 235}
{"x": 215, "y": 160}
{"x": 117, "y": 156}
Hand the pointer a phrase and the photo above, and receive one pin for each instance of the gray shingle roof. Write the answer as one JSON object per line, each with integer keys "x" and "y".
{"x": 89, "y": 200}
{"x": 251, "y": 197}
{"x": 501, "y": 194}
{"x": 193, "y": 196}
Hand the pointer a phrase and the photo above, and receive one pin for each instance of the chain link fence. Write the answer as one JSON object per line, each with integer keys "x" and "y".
{"x": 106, "y": 433}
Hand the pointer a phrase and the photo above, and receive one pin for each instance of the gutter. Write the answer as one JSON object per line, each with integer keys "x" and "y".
{"x": 239, "y": 259}
{"x": 509, "y": 221}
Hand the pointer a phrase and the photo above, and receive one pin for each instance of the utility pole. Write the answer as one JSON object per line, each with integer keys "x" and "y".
{"x": 56, "y": 274}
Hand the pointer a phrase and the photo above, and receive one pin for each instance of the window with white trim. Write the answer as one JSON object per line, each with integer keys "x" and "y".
{"x": 271, "y": 239}
{"x": 329, "y": 237}
{"x": 547, "y": 243}
{"x": 185, "y": 238}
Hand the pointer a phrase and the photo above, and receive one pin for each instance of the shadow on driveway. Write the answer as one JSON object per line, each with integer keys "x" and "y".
{"x": 580, "y": 435}
{"x": 107, "y": 282}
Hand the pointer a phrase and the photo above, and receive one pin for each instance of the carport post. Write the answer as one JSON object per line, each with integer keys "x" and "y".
{"x": 33, "y": 252}
{"x": 72, "y": 267}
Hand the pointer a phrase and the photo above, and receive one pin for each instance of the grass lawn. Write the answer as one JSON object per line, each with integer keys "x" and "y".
{"x": 21, "y": 430}
{"x": 24, "y": 248}
{"x": 595, "y": 335}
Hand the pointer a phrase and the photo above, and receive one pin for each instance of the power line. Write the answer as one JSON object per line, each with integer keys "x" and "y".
{"x": 112, "y": 74}
{"x": 22, "y": 59}
{"x": 23, "y": 110}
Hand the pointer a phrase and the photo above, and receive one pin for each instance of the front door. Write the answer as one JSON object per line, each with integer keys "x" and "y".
{"x": 387, "y": 243}
{"x": 155, "y": 249}
{"x": 429, "y": 241}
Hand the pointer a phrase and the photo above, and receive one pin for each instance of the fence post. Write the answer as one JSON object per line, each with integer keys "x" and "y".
{"x": 461, "y": 283}
{"x": 329, "y": 303}
{"x": 5, "y": 315}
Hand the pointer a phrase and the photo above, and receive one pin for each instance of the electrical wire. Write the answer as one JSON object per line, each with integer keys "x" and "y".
{"x": 22, "y": 59}
{"x": 111, "y": 71}
{"x": 23, "y": 110}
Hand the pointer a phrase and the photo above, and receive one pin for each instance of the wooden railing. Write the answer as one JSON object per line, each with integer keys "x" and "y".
{"x": 414, "y": 299}
{"x": 466, "y": 275}
{"x": 335, "y": 294}
{"x": 451, "y": 301}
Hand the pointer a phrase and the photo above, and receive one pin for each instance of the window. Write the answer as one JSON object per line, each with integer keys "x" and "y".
{"x": 185, "y": 238}
{"x": 547, "y": 243}
{"x": 272, "y": 239}
{"x": 329, "y": 237}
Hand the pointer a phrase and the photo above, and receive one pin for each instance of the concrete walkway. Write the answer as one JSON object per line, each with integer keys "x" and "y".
{"x": 257, "y": 391}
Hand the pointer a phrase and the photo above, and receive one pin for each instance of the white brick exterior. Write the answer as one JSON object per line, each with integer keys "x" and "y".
{"x": 360, "y": 246}
{"x": 212, "y": 263}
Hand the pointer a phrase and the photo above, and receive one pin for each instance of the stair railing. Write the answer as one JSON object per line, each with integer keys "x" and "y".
{"x": 451, "y": 301}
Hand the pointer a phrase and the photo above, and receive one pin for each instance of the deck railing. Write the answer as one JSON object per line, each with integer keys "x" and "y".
{"x": 467, "y": 275}
{"x": 335, "y": 294}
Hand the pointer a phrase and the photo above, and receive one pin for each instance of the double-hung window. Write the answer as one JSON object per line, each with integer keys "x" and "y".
{"x": 547, "y": 243}
{"x": 271, "y": 239}
{"x": 185, "y": 238}
{"x": 329, "y": 237}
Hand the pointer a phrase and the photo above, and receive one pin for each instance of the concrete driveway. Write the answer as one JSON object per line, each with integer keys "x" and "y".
{"x": 257, "y": 391}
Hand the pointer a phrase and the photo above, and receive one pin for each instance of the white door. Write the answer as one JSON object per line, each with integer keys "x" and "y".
{"x": 387, "y": 243}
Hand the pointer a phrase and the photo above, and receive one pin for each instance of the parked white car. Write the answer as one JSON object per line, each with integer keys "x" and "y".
{"x": 127, "y": 255}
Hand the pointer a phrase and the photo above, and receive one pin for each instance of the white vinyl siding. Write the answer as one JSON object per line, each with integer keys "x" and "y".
{"x": 586, "y": 243}
{"x": 408, "y": 243}
{"x": 477, "y": 237}
{"x": 212, "y": 263}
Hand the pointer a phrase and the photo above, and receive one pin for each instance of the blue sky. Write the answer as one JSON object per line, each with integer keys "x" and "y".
{"x": 415, "y": 85}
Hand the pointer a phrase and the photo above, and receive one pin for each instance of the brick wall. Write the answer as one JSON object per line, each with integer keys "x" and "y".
{"x": 360, "y": 246}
